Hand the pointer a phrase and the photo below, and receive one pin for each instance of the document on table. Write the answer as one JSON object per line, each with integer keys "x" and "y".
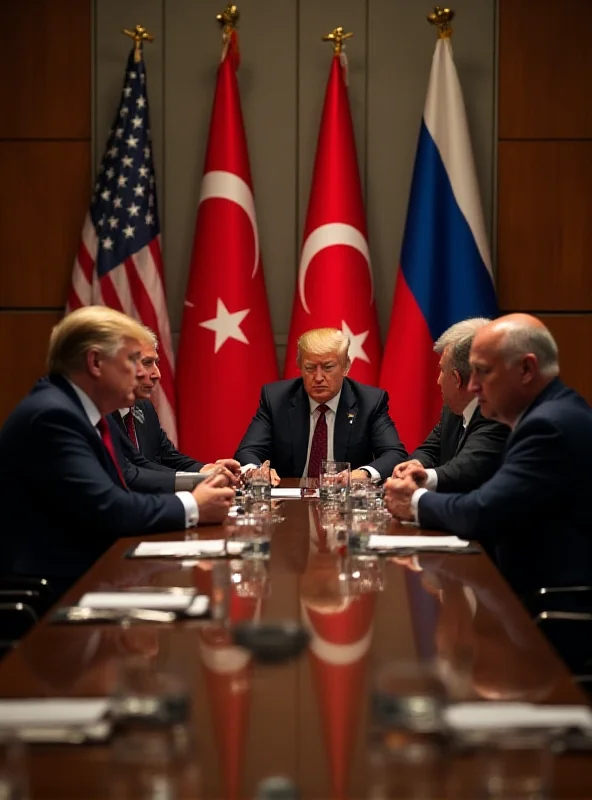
{"x": 385, "y": 542}
{"x": 69, "y": 720}
{"x": 186, "y": 601}
{"x": 288, "y": 494}
{"x": 499, "y": 716}
{"x": 188, "y": 548}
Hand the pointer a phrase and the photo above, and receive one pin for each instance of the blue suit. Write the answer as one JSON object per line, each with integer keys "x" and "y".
{"x": 61, "y": 499}
{"x": 533, "y": 515}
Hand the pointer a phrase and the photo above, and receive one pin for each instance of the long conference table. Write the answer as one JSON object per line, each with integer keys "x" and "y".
{"x": 306, "y": 718}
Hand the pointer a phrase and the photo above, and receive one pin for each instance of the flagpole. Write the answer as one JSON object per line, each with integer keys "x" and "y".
{"x": 441, "y": 18}
{"x": 139, "y": 35}
{"x": 337, "y": 37}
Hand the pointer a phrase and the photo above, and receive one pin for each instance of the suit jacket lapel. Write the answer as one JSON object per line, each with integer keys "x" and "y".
{"x": 299, "y": 414}
{"x": 344, "y": 421}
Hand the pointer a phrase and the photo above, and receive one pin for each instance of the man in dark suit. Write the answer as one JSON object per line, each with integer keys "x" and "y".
{"x": 465, "y": 448}
{"x": 153, "y": 463}
{"x": 322, "y": 415}
{"x": 62, "y": 492}
{"x": 534, "y": 513}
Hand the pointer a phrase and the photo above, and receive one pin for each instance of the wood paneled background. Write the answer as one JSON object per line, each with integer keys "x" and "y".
{"x": 62, "y": 66}
{"x": 45, "y": 169}
{"x": 544, "y": 200}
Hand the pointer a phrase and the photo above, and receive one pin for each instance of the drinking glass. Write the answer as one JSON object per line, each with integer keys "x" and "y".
{"x": 515, "y": 765}
{"x": 334, "y": 481}
{"x": 309, "y": 488}
{"x": 253, "y": 531}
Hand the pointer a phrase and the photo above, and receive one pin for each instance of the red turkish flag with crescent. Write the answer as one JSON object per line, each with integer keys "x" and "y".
{"x": 335, "y": 287}
{"x": 226, "y": 350}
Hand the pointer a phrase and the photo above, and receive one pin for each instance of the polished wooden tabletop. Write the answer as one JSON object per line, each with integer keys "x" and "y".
{"x": 306, "y": 718}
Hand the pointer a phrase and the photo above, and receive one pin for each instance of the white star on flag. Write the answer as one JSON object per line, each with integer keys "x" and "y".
{"x": 226, "y": 325}
{"x": 356, "y": 341}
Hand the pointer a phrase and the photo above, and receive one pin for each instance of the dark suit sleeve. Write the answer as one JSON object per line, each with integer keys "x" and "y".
{"x": 75, "y": 479}
{"x": 535, "y": 474}
{"x": 477, "y": 461}
{"x": 428, "y": 453}
{"x": 140, "y": 474}
{"x": 387, "y": 448}
{"x": 256, "y": 445}
{"x": 169, "y": 455}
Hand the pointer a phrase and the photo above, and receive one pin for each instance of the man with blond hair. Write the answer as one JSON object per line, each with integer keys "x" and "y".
{"x": 533, "y": 515}
{"x": 465, "y": 448}
{"x": 322, "y": 415}
{"x": 63, "y": 495}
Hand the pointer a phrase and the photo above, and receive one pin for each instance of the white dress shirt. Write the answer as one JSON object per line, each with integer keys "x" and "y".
{"x": 94, "y": 415}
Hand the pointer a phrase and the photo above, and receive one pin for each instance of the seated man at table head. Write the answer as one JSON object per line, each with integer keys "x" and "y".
{"x": 465, "y": 448}
{"x": 63, "y": 496}
{"x": 322, "y": 415}
{"x": 153, "y": 463}
{"x": 534, "y": 512}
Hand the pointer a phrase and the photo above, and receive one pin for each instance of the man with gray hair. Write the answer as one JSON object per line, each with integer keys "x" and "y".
{"x": 322, "y": 415}
{"x": 465, "y": 448}
{"x": 533, "y": 515}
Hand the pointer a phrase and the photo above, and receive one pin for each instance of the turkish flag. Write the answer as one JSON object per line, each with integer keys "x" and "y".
{"x": 335, "y": 285}
{"x": 226, "y": 351}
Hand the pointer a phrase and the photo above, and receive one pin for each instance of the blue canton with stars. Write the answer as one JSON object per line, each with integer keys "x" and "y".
{"x": 123, "y": 208}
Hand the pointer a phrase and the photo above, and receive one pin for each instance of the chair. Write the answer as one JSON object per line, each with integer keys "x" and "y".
{"x": 570, "y": 633}
{"x": 26, "y": 583}
{"x": 560, "y": 598}
{"x": 26, "y": 596}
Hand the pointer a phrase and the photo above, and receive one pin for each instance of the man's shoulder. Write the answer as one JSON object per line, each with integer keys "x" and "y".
{"x": 282, "y": 390}
{"x": 363, "y": 390}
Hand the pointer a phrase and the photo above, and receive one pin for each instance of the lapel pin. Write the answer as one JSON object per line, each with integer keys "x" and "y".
{"x": 350, "y": 418}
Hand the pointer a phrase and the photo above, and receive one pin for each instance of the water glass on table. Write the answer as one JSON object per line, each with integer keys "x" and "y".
{"x": 334, "y": 481}
{"x": 253, "y": 531}
{"x": 258, "y": 488}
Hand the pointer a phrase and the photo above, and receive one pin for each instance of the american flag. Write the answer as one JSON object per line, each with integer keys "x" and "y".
{"x": 119, "y": 260}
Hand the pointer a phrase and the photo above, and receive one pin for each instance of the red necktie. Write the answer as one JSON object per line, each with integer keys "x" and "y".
{"x": 318, "y": 447}
{"x": 103, "y": 427}
{"x": 131, "y": 428}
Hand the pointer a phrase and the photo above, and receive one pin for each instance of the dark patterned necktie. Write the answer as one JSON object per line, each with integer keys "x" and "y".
{"x": 318, "y": 447}
{"x": 131, "y": 428}
{"x": 105, "y": 431}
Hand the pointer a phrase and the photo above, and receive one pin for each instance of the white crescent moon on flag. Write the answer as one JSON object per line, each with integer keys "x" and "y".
{"x": 338, "y": 654}
{"x": 326, "y": 236}
{"x": 228, "y": 186}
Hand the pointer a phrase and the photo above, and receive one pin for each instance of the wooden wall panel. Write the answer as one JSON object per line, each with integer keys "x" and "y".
{"x": 45, "y": 66}
{"x": 23, "y": 348}
{"x": 545, "y": 62}
{"x": 44, "y": 194}
{"x": 572, "y": 334}
{"x": 544, "y": 230}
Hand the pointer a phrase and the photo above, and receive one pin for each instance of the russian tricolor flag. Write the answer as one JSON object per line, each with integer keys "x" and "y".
{"x": 445, "y": 270}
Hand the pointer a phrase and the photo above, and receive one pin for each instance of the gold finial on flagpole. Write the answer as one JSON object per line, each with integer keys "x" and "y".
{"x": 337, "y": 37}
{"x": 139, "y": 35}
{"x": 441, "y": 18}
{"x": 228, "y": 19}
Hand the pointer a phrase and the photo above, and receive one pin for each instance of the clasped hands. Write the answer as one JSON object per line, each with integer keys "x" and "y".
{"x": 398, "y": 489}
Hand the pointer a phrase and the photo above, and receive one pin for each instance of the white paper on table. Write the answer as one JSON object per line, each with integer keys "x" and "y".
{"x": 496, "y": 716}
{"x": 52, "y": 712}
{"x": 289, "y": 494}
{"x": 161, "y": 601}
{"x": 182, "y": 549}
{"x": 385, "y": 542}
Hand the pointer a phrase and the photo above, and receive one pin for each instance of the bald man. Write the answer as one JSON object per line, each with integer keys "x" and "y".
{"x": 533, "y": 515}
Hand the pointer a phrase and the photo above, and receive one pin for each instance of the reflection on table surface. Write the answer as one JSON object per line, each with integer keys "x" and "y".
{"x": 306, "y": 718}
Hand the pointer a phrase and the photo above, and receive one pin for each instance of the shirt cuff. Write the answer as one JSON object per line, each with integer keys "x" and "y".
{"x": 431, "y": 483}
{"x": 186, "y": 481}
{"x": 245, "y": 467}
{"x": 375, "y": 475}
{"x": 415, "y": 504}
{"x": 191, "y": 509}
